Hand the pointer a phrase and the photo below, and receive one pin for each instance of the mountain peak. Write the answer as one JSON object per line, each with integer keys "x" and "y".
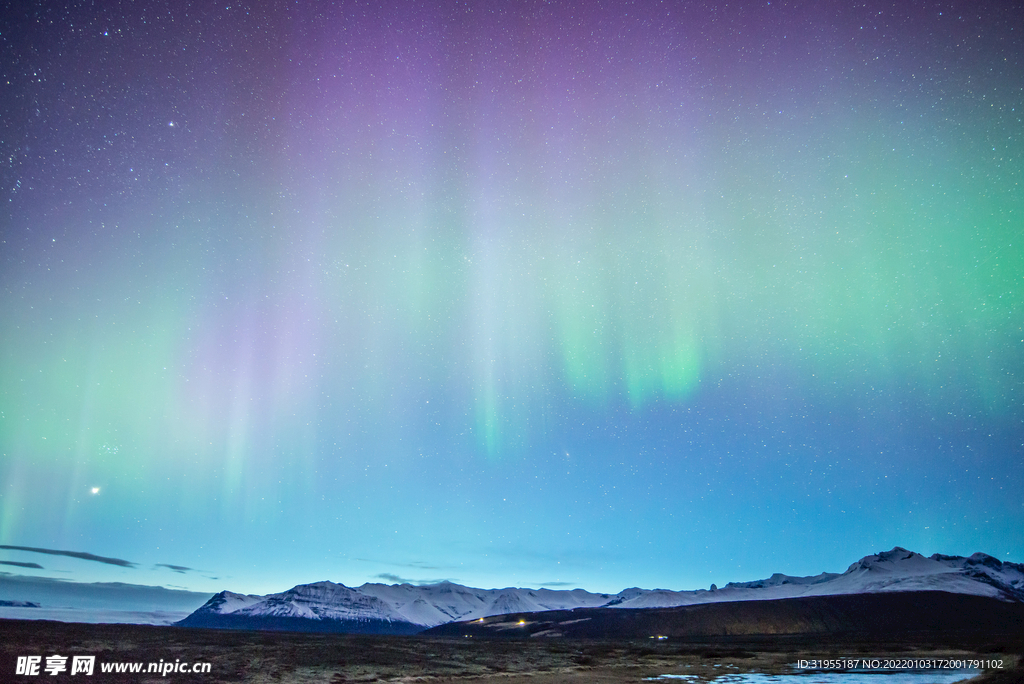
{"x": 984, "y": 559}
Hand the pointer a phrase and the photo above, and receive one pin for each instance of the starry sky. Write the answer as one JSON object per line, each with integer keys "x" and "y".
{"x": 541, "y": 293}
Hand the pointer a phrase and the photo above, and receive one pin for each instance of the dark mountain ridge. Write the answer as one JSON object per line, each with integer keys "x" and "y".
{"x": 895, "y": 615}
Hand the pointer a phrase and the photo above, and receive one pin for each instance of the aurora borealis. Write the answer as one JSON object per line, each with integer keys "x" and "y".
{"x": 593, "y": 294}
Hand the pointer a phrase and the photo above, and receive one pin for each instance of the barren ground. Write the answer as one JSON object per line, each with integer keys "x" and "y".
{"x": 334, "y": 659}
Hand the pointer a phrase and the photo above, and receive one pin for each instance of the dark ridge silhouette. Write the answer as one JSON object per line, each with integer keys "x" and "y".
{"x": 928, "y": 614}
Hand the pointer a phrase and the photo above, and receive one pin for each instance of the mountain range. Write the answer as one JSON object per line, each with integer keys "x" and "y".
{"x": 408, "y": 609}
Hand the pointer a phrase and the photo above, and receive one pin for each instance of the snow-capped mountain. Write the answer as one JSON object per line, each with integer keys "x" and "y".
{"x": 896, "y": 570}
{"x": 405, "y": 608}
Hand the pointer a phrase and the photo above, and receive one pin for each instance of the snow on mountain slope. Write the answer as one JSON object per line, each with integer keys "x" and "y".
{"x": 575, "y": 598}
{"x": 229, "y": 602}
{"x": 436, "y": 604}
{"x": 432, "y": 604}
{"x": 902, "y": 570}
{"x": 895, "y": 570}
{"x": 322, "y": 601}
{"x": 317, "y": 601}
{"x": 778, "y": 580}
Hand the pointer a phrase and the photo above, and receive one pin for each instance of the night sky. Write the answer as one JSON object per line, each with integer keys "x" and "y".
{"x": 596, "y": 294}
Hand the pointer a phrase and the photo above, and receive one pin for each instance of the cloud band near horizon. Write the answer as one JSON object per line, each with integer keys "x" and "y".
{"x": 72, "y": 554}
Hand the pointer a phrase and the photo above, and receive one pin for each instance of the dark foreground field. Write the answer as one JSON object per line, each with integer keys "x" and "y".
{"x": 236, "y": 656}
